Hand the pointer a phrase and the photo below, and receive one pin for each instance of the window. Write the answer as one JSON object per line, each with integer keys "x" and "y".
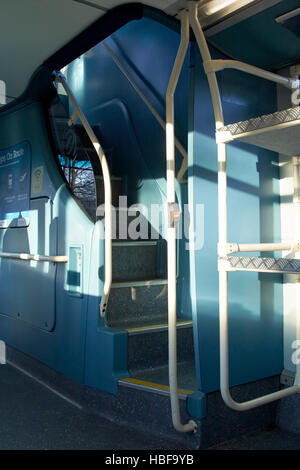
{"x": 76, "y": 156}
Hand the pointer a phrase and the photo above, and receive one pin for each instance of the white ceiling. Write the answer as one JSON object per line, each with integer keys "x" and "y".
{"x": 32, "y": 30}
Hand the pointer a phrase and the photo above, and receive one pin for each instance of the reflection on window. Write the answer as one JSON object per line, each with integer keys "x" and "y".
{"x": 76, "y": 155}
{"x": 80, "y": 176}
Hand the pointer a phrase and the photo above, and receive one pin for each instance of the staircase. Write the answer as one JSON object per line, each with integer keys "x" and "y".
{"x": 138, "y": 305}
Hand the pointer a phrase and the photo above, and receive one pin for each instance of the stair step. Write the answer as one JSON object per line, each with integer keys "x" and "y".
{"x": 129, "y": 225}
{"x": 278, "y": 131}
{"x": 157, "y": 327}
{"x": 148, "y": 349}
{"x": 136, "y": 303}
{"x": 157, "y": 380}
{"x": 262, "y": 265}
{"x": 153, "y": 387}
{"x": 134, "y": 260}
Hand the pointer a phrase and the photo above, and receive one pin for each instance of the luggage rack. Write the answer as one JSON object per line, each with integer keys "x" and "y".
{"x": 278, "y": 131}
{"x": 260, "y": 265}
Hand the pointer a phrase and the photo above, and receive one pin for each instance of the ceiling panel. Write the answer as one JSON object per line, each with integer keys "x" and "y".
{"x": 32, "y": 30}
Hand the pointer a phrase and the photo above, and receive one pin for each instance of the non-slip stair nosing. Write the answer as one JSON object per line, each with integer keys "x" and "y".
{"x": 159, "y": 389}
{"x": 156, "y": 328}
{"x": 135, "y": 243}
{"x": 152, "y": 282}
{"x": 129, "y": 209}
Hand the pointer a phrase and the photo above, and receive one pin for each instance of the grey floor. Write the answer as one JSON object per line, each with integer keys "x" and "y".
{"x": 272, "y": 439}
{"x": 186, "y": 375}
{"x": 34, "y": 417}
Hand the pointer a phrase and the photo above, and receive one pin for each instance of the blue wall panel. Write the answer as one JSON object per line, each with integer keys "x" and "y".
{"x": 51, "y": 324}
{"x": 255, "y": 301}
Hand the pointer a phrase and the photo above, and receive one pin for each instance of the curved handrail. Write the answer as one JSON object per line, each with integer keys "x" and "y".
{"x": 78, "y": 114}
{"x": 220, "y": 64}
{"x": 30, "y": 257}
{"x": 153, "y": 111}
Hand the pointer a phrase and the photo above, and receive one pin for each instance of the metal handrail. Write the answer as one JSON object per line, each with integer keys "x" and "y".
{"x": 220, "y": 64}
{"x": 222, "y": 218}
{"x": 171, "y": 230}
{"x": 252, "y": 247}
{"x": 78, "y": 114}
{"x": 153, "y": 111}
{"x": 29, "y": 257}
{"x": 296, "y": 207}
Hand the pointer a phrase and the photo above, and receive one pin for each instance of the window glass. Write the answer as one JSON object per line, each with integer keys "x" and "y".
{"x": 76, "y": 156}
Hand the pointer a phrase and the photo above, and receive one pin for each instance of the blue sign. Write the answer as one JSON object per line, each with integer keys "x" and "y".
{"x": 15, "y": 164}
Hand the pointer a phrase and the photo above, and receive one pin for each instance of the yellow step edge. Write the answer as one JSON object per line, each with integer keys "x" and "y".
{"x": 166, "y": 388}
{"x": 162, "y": 325}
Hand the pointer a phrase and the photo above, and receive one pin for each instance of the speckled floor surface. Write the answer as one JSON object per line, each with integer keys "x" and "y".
{"x": 186, "y": 375}
{"x": 34, "y": 417}
{"x": 272, "y": 439}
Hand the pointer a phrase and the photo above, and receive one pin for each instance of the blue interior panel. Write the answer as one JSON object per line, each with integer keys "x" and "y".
{"x": 19, "y": 298}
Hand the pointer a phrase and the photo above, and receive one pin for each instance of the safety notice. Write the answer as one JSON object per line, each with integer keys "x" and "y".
{"x": 15, "y": 165}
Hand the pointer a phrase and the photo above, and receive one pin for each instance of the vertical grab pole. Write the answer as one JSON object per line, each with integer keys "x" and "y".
{"x": 78, "y": 113}
{"x": 206, "y": 57}
{"x": 171, "y": 229}
{"x": 222, "y": 199}
{"x": 296, "y": 204}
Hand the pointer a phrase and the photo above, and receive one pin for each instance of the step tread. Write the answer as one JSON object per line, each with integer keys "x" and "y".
{"x": 278, "y": 131}
{"x": 146, "y": 283}
{"x": 157, "y": 327}
{"x": 158, "y": 378}
{"x": 155, "y": 386}
{"x": 131, "y": 243}
{"x": 258, "y": 264}
{"x": 137, "y": 323}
